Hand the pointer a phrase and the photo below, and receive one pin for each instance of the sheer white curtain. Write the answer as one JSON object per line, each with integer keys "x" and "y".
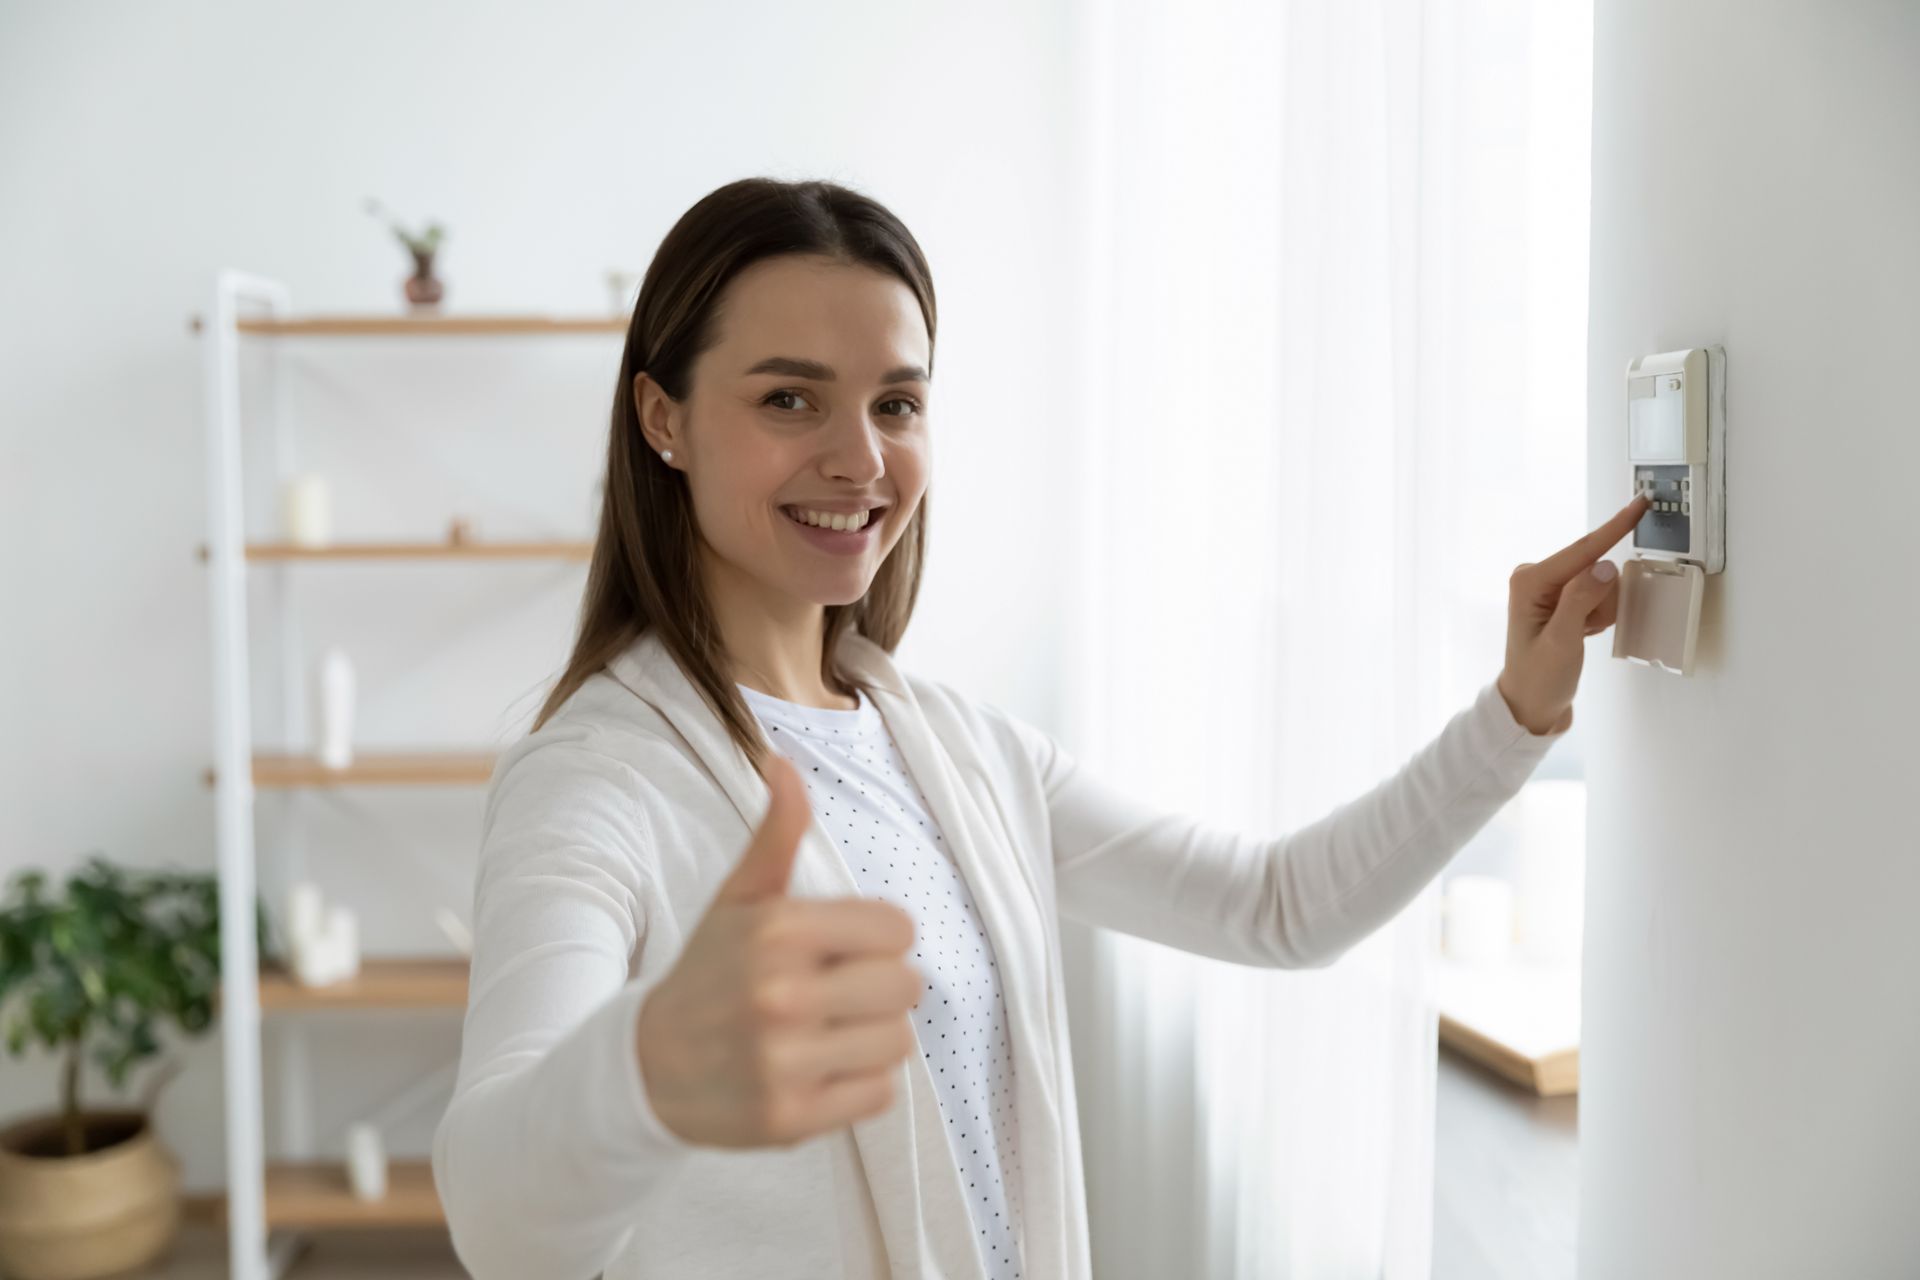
{"x": 1333, "y": 380}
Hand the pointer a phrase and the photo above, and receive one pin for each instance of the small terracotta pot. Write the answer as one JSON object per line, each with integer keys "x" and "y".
{"x": 423, "y": 287}
{"x": 114, "y": 1209}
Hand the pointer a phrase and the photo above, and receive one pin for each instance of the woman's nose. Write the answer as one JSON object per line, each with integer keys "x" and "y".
{"x": 856, "y": 447}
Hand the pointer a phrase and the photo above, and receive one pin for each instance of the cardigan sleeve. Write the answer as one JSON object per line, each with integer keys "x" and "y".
{"x": 550, "y": 1139}
{"x": 1299, "y": 900}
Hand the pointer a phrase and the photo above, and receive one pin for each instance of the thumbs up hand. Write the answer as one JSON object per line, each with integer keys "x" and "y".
{"x": 783, "y": 1018}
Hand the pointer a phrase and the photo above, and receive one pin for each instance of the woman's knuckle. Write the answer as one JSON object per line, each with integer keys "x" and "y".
{"x": 771, "y": 929}
{"x": 770, "y": 998}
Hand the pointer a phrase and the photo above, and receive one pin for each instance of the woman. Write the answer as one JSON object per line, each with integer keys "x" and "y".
{"x": 766, "y": 971}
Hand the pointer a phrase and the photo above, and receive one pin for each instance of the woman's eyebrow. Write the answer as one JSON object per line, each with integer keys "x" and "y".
{"x": 795, "y": 367}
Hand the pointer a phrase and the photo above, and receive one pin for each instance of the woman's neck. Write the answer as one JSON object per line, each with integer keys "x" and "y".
{"x": 774, "y": 642}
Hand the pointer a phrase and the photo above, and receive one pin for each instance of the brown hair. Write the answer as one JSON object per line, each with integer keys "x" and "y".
{"x": 645, "y": 572}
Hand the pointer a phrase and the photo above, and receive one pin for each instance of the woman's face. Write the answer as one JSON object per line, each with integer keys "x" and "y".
{"x": 815, "y": 398}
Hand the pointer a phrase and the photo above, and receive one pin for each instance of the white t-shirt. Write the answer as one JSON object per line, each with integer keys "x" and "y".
{"x": 858, "y": 786}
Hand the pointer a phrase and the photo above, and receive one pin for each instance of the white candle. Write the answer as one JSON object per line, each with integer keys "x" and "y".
{"x": 315, "y": 961}
{"x": 1479, "y": 918}
{"x": 343, "y": 936}
{"x": 305, "y": 511}
{"x": 457, "y": 933}
{"x": 333, "y": 705}
{"x": 366, "y": 1161}
{"x": 304, "y": 908}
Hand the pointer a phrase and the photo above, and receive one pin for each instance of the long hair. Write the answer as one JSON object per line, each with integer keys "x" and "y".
{"x": 645, "y": 570}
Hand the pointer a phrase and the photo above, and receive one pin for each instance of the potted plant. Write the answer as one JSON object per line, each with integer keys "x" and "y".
{"x": 93, "y": 973}
{"x": 423, "y": 288}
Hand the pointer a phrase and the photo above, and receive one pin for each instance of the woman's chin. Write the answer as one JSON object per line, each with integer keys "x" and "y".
{"x": 823, "y": 585}
{"x": 846, "y": 592}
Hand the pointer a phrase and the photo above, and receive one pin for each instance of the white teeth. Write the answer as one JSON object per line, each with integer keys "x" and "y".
{"x": 831, "y": 520}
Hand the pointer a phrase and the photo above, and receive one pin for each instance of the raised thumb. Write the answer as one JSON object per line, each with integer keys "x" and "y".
{"x": 767, "y": 864}
{"x": 1580, "y": 597}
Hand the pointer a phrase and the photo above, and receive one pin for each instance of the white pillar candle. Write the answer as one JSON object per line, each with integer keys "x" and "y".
{"x": 332, "y": 953}
{"x": 304, "y": 910}
{"x": 305, "y": 511}
{"x": 457, "y": 932}
{"x": 366, "y": 1161}
{"x": 315, "y": 961}
{"x": 343, "y": 935}
{"x": 333, "y": 706}
{"x": 1479, "y": 918}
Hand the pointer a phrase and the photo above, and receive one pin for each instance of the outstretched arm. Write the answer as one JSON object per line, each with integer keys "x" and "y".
{"x": 550, "y": 1139}
{"x": 1299, "y": 900}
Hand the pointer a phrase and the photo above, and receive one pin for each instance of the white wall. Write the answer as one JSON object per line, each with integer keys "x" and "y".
{"x": 1752, "y": 1038}
{"x": 146, "y": 146}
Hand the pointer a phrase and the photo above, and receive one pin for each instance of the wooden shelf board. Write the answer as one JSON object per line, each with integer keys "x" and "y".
{"x": 315, "y": 1194}
{"x": 1520, "y": 1021}
{"x": 417, "y": 769}
{"x": 384, "y": 982}
{"x": 553, "y": 550}
{"x": 1548, "y": 1075}
{"x": 429, "y": 323}
{"x": 423, "y": 551}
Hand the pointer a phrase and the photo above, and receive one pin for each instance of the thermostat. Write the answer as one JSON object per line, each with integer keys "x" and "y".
{"x": 1677, "y": 459}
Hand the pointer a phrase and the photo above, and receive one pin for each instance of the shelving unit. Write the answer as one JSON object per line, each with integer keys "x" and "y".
{"x": 268, "y": 1205}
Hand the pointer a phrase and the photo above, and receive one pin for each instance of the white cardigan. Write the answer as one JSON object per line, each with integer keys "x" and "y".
{"x": 609, "y": 830}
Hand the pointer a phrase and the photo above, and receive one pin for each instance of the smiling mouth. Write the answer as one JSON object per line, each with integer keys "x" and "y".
{"x": 873, "y": 519}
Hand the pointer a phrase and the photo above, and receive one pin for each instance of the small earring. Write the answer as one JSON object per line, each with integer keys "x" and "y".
{"x": 666, "y": 455}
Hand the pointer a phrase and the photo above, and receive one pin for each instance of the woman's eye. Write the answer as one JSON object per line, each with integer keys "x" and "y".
{"x": 913, "y": 406}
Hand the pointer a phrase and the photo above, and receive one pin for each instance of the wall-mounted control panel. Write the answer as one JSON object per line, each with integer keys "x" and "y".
{"x": 1676, "y": 457}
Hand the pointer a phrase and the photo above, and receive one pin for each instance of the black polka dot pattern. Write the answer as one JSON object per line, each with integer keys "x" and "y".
{"x": 859, "y": 788}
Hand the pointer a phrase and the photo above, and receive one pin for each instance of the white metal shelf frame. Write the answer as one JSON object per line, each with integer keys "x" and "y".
{"x": 250, "y": 1256}
{"x": 253, "y": 1252}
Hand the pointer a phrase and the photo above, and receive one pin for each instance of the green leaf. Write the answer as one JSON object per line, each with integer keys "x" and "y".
{"x": 107, "y": 963}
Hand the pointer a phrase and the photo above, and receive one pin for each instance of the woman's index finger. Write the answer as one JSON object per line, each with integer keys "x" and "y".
{"x": 1589, "y": 547}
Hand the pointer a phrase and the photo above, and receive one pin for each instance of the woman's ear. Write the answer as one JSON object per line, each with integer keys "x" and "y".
{"x": 654, "y": 410}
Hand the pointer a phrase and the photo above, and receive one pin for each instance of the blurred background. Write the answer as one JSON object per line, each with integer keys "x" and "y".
{"x": 1273, "y": 336}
